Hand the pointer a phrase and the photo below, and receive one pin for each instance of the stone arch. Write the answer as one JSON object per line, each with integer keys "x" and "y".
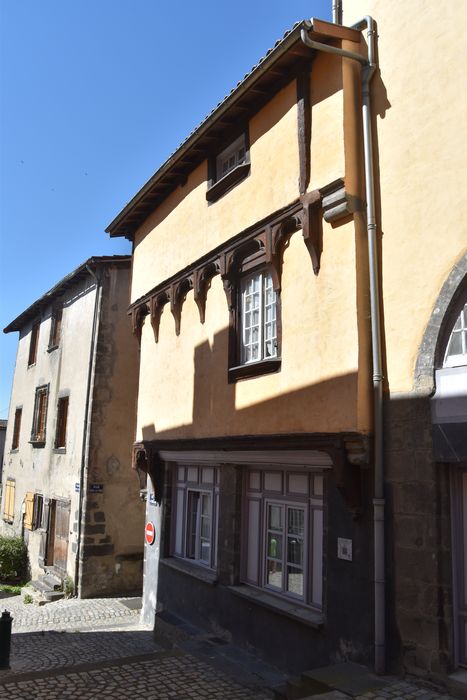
{"x": 438, "y": 327}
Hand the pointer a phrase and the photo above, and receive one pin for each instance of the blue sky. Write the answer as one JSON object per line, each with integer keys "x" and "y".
{"x": 94, "y": 96}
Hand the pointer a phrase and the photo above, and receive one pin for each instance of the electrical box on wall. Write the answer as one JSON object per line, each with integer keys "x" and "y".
{"x": 344, "y": 549}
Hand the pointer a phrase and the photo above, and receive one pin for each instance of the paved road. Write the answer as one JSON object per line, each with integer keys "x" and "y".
{"x": 94, "y": 649}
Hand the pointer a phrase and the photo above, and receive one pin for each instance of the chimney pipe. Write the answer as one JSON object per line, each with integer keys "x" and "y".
{"x": 337, "y": 11}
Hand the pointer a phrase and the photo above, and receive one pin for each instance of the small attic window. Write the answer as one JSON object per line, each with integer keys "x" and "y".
{"x": 228, "y": 167}
{"x": 456, "y": 351}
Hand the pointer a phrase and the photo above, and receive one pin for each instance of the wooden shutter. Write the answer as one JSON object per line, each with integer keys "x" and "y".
{"x": 9, "y": 501}
{"x": 44, "y": 533}
{"x": 29, "y": 512}
{"x": 62, "y": 415}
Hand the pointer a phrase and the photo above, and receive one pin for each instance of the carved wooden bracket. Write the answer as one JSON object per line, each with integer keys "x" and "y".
{"x": 146, "y": 462}
{"x": 138, "y": 315}
{"x": 312, "y": 227}
{"x": 156, "y": 307}
{"x": 202, "y": 283}
{"x": 179, "y": 290}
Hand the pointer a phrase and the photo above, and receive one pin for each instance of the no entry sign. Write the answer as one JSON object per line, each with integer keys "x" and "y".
{"x": 150, "y": 533}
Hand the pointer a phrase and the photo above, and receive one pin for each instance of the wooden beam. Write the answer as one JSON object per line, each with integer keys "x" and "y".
{"x": 304, "y": 128}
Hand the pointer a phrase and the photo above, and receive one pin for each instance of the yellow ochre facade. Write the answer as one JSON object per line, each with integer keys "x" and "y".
{"x": 275, "y": 470}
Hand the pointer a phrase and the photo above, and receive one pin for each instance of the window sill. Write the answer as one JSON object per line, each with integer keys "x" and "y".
{"x": 14, "y": 450}
{"x": 37, "y": 443}
{"x": 254, "y": 369}
{"x": 288, "y": 608}
{"x": 206, "y": 575}
{"x": 220, "y": 187}
{"x": 51, "y": 348}
{"x": 59, "y": 450}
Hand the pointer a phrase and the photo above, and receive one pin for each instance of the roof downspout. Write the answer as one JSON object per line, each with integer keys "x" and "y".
{"x": 337, "y": 11}
{"x": 83, "y": 478}
{"x": 368, "y": 69}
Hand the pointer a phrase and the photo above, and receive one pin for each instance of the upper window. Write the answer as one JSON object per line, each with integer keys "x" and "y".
{"x": 228, "y": 167}
{"x": 284, "y": 520}
{"x": 255, "y": 329}
{"x": 40, "y": 415}
{"x": 62, "y": 417}
{"x": 194, "y": 515}
{"x": 16, "y": 429}
{"x": 456, "y": 351}
{"x": 33, "y": 344}
{"x": 55, "y": 328}
{"x": 258, "y": 318}
{"x": 233, "y": 155}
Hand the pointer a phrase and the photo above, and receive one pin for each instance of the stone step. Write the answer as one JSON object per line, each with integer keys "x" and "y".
{"x": 52, "y": 581}
{"x": 41, "y": 593}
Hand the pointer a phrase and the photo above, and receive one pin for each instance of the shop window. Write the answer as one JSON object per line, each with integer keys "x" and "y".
{"x": 284, "y": 524}
{"x": 195, "y": 513}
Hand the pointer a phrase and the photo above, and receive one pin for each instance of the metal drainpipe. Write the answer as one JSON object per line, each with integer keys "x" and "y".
{"x": 368, "y": 70}
{"x": 337, "y": 11}
{"x": 86, "y": 431}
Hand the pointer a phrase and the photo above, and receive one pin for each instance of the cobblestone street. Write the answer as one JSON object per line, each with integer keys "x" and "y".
{"x": 91, "y": 649}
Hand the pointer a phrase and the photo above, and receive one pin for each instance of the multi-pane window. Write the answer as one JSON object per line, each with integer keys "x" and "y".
{"x": 285, "y": 528}
{"x": 9, "y": 501}
{"x": 55, "y": 328}
{"x": 283, "y": 546}
{"x": 62, "y": 417}
{"x": 456, "y": 351}
{"x": 195, "y": 513}
{"x": 16, "y": 429}
{"x": 258, "y": 320}
{"x": 233, "y": 155}
{"x": 33, "y": 344}
{"x": 40, "y": 414}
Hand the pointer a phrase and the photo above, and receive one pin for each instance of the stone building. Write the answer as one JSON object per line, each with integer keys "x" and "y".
{"x": 298, "y": 291}
{"x": 66, "y": 475}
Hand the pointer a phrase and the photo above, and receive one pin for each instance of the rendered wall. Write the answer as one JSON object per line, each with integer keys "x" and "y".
{"x": 53, "y": 473}
{"x": 114, "y": 518}
{"x": 323, "y": 381}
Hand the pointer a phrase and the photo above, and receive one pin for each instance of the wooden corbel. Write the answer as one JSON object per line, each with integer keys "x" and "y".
{"x": 178, "y": 296}
{"x": 138, "y": 315}
{"x": 312, "y": 227}
{"x": 147, "y": 462}
{"x": 156, "y": 308}
{"x": 201, "y": 284}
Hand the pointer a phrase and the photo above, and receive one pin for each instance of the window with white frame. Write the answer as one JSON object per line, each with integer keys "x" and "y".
{"x": 283, "y": 547}
{"x": 456, "y": 351}
{"x": 194, "y": 516}
{"x": 230, "y": 157}
{"x": 258, "y": 318}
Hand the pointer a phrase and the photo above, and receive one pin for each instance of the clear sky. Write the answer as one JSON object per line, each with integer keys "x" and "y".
{"x": 95, "y": 95}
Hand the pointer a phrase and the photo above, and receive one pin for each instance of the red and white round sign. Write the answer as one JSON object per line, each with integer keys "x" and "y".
{"x": 150, "y": 533}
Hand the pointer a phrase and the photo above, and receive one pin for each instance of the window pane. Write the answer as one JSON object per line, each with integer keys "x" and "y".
{"x": 274, "y": 546}
{"x": 205, "y": 552}
{"x": 295, "y": 550}
{"x": 296, "y": 521}
{"x": 295, "y": 580}
{"x": 455, "y": 344}
{"x": 275, "y": 517}
{"x": 275, "y": 574}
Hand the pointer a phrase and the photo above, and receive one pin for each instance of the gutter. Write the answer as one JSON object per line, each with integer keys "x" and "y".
{"x": 368, "y": 70}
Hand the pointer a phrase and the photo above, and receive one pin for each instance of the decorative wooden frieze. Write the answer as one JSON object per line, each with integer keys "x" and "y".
{"x": 263, "y": 243}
